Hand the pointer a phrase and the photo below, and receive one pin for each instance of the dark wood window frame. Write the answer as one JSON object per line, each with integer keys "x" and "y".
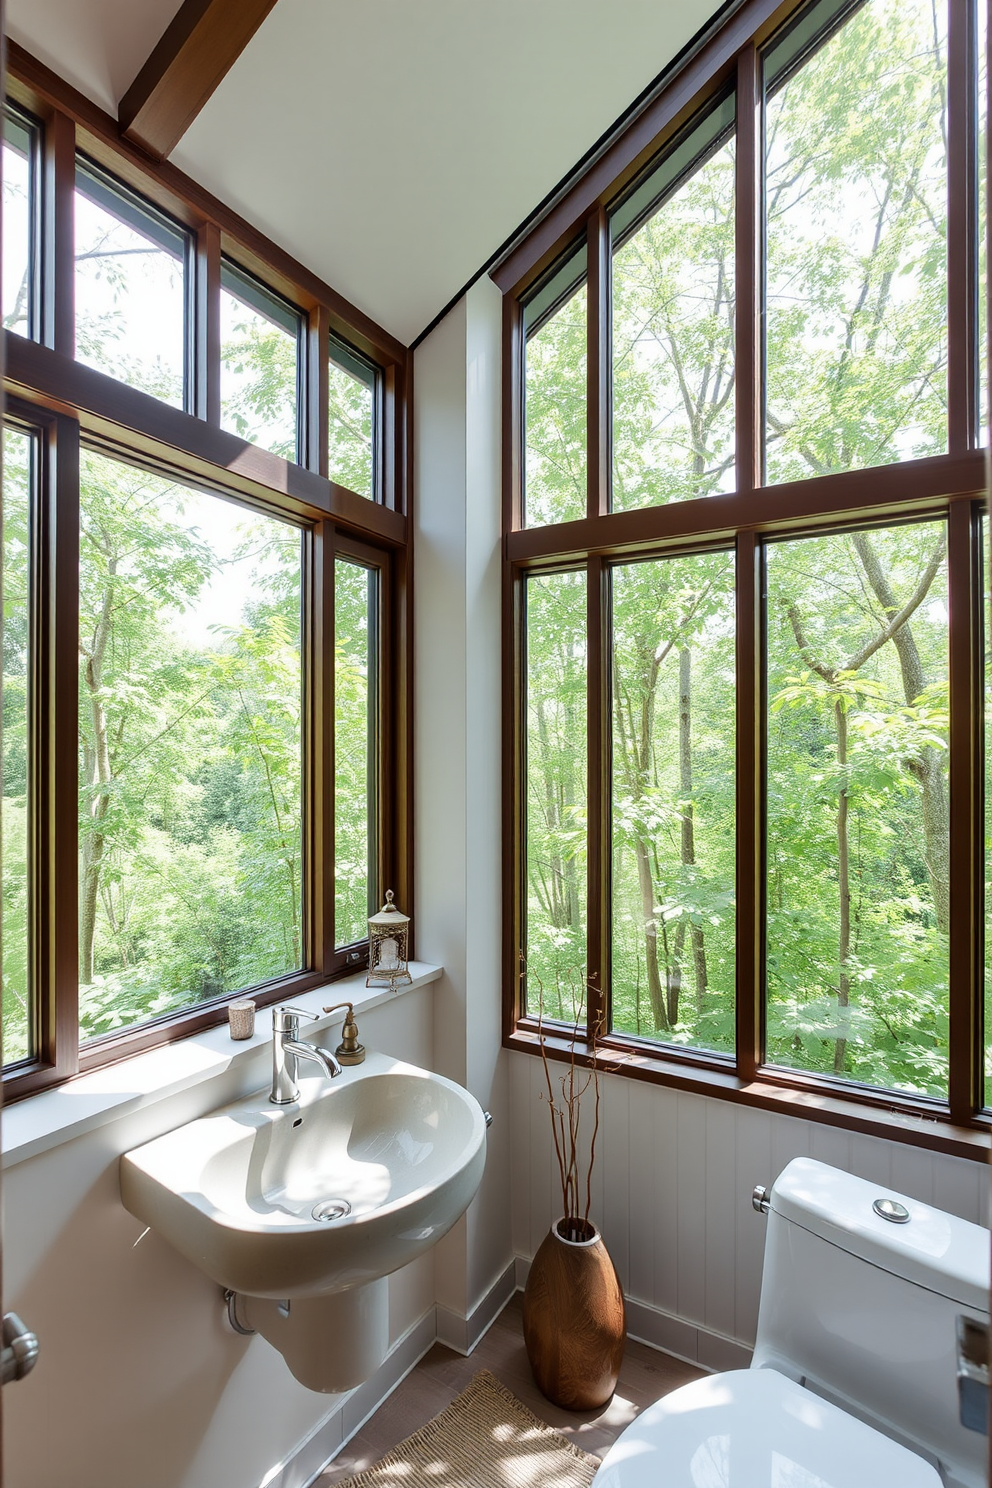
{"x": 951, "y": 485}
{"x": 68, "y": 404}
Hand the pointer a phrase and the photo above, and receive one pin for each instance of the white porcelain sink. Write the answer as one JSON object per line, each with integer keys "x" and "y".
{"x": 398, "y": 1150}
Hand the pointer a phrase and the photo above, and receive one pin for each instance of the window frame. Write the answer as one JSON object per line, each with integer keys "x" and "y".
{"x": 951, "y": 485}
{"x": 67, "y": 404}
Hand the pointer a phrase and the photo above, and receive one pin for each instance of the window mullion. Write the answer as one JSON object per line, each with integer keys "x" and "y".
{"x": 58, "y": 235}
{"x": 962, "y": 207}
{"x": 748, "y": 359}
{"x": 750, "y": 854}
{"x": 314, "y": 402}
{"x": 598, "y": 797}
{"x": 966, "y": 876}
{"x": 321, "y": 735}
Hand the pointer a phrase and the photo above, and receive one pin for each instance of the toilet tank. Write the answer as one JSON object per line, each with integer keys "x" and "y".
{"x": 862, "y": 1310}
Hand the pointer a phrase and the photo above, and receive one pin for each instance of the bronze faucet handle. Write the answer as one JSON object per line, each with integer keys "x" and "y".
{"x": 349, "y": 1050}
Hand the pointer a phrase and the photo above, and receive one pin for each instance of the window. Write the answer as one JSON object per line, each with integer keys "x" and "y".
{"x": 19, "y": 475}
{"x": 204, "y": 669}
{"x": 356, "y": 627}
{"x": 21, "y": 143}
{"x": 672, "y": 806}
{"x": 856, "y": 274}
{"x": 131, "y": 270}
{"x": 555, "y": 943}
{"x": 190, "y": 735}
{"x": 352, "y": 399}
{"x": 556, "y": 332}
{"x": 673, "y": 323}
{"x": 857, "y": 844}
{"x": 745, "y": 629}
{"x": 259, "y": 363}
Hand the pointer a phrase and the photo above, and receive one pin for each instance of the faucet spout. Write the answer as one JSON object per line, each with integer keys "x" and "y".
{"x": 287, "y": 1048}
{"x": 302, "y": 1050}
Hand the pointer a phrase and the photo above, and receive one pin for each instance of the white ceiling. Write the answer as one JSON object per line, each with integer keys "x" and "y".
{"x": 391, "y": 145}
{"x": 99, "y": 46}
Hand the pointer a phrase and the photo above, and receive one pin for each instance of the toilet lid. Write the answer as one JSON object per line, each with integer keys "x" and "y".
{"x": 753, "y": 1428}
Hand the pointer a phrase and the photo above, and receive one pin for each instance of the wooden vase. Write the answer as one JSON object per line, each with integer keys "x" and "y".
{"x": 575, "y": 1324}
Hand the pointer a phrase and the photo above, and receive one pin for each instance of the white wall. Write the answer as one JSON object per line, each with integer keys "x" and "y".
{"x": 672, "y": 1195}
{"x": 457, "y": 750}
{"x": 140, "y": 1381}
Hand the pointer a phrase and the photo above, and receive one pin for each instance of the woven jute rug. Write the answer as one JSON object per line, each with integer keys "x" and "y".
{"x": 485, "y": 1439}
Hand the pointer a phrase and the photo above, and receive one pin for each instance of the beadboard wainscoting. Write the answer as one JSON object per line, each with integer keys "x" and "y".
{"x": 671, "y": 1194}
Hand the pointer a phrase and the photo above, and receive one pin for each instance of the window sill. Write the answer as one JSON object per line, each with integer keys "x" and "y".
{"x": 876, "y": 1120}
{"x": 43, "y": 1121}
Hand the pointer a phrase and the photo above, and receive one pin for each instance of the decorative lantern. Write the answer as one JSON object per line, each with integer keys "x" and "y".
{"x": 388, "y": 940}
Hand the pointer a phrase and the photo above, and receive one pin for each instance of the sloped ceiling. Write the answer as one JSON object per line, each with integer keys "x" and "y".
{"x": 391, "y": 145}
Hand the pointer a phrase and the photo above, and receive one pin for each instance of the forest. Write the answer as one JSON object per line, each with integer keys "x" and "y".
{"x": 191, "y": 686}
{"x": 856, "y": 622}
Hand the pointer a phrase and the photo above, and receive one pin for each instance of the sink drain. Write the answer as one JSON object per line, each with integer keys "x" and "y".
{"x": 331, "y": 1209}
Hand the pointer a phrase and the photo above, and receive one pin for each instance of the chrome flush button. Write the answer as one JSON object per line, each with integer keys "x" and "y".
{"x": 890, "y": 1210}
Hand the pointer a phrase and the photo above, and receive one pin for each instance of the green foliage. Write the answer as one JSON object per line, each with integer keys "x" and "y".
{"x": 555, "y": 485}
{"x": 351, "y": 409}
{"x": 354, "y": 735}
{"x": 258, "y": 379}
{"x": 190, "y": 730}
{"x": 556, "y": 800}
{"x": 17, "y": 1022}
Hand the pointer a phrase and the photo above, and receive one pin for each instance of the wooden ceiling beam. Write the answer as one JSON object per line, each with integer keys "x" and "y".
{"x": 199, "y": 46}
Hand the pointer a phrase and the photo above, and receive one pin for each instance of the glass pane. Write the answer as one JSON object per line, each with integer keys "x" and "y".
{"x": 19, "y": 186}
{"x": 355, "y": 610}
{"x": 351, "y": 397}
{"x": 555, "y": 393}
{"x": 856, "y": 190}
{"x": 259, "y": 337}
{"x": 858, "y": 846}
{"x": 555, "y": 672}
{"x": 983, "y": 304}
{"x": 130, "y": 291}
{"x": 673, "y": 800}
{"x": 18, "y": 1009}
{"x": 190, "y": 798}
{"x": 673, "y": 341}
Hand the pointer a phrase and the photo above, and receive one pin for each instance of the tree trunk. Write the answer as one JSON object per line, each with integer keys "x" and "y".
{"x": 926, "y": 768}
{"x": 646, "y": 884}
{"x": 688, "y": 824}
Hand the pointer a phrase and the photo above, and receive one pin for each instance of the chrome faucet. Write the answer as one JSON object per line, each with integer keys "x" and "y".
{"x": 287, "y": 1048}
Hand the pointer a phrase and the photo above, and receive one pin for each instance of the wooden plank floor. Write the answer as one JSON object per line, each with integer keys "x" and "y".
{"x": 647, "y": 1374}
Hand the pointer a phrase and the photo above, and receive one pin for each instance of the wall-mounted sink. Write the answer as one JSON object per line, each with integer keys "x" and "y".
{"x": 355, "y": 1179}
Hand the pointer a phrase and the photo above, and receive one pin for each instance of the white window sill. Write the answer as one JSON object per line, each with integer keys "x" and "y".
{"x": 46, "y": 1120}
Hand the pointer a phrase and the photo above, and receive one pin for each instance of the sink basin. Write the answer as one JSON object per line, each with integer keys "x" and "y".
{"x": 355, "y": 1179}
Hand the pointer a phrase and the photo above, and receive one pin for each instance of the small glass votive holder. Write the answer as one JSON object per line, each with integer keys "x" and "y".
{"x": 241, "y": 1016}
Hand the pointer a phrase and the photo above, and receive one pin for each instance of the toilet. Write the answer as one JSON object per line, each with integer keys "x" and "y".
{"x": 853, "y": 1379}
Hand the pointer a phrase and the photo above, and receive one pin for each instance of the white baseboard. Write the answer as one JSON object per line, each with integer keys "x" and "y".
{"x": 662, "y": 1330}
{"x": 461, "y": 1333}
